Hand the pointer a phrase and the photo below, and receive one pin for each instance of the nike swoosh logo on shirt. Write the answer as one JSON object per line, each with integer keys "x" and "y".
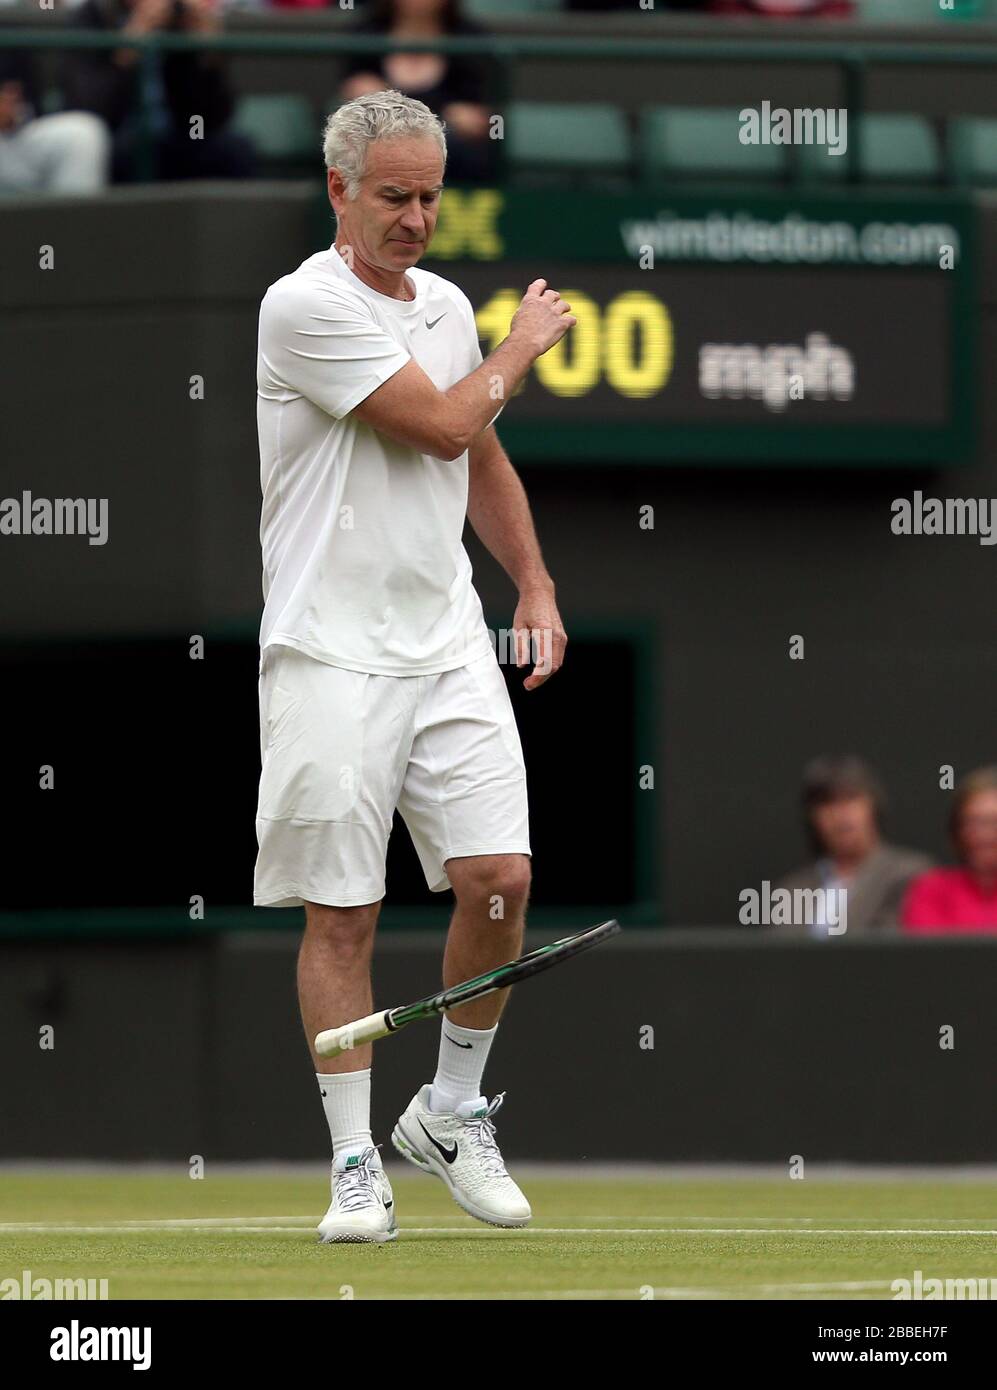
{"x": 448, "y": 1154}
{"x": 436, "y": 321}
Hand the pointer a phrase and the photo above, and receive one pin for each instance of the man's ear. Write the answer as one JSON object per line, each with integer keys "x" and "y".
{"x": 335, "y": 186}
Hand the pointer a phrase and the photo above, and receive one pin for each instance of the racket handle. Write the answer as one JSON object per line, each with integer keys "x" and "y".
{"x": 333, "y": 1041}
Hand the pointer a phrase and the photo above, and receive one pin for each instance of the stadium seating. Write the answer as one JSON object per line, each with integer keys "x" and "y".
{"x": 283, "y": 128}
{"x": 577, "y": 136}
{"x": 922, "y": 11}
{"x": 688, "y": 141}
{"x": 692, "y": 142}
{"x": 673, "y": 143}
{"x": 679, "y": 143}
{"x": 973, "y": 151}
{"x": 498, "y": 9}
{"x": 895, "y": 149}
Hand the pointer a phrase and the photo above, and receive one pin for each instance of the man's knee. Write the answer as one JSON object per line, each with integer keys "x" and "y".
{"x": 346, "y": 929}
{"x": 501, "y": 880}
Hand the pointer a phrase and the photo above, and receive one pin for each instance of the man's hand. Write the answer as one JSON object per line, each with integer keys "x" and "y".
{"x": 537, "y": 616}
{"x": 542, "y": 318}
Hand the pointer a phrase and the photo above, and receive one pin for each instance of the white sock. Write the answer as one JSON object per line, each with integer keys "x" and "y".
{"x": 463, "y": 1054}
{"x": 346, "y": 1102}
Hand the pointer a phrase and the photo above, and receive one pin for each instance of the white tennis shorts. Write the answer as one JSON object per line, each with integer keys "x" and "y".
{"x": 342, "y": 749}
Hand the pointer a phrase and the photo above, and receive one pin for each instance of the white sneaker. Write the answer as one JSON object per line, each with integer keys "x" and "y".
{"x": 363, "y": 1207}
{"x": 460, "y": 1148}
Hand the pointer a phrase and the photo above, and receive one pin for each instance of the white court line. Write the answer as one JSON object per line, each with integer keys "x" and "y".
{"x": 180, "y": 1223}
{"x": 168, "y": 1222}
{"x": 807, "y": 1220}
{"x": 265, "y": 1222}
{"x": 745, "y": 1231}
{"x": 684, "y": 1231}
{"x": 146, "y": 1228}
{"x": 242, "y": 1226}
{"x": 805, "y": 1223}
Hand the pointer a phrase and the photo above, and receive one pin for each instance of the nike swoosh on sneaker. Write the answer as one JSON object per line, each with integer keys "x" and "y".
{"x": 448, "y": 1154}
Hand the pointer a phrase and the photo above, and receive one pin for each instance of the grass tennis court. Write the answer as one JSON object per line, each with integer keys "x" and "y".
{"x": 247, "y": 1235}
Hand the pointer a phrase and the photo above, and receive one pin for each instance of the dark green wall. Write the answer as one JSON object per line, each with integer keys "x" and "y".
{"x": 762, "y": 1049}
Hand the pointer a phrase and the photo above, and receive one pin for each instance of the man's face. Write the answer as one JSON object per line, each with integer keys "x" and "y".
{"x": 846, "y": 827}
{"x": 392, "y": 219}
{"x": 978, "y": 834}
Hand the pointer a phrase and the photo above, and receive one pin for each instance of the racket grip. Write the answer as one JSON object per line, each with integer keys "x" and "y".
{"x": 333, "y": 1041}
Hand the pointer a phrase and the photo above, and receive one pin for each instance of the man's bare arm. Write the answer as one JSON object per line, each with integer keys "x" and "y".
{"x": 498, "y": 510}
{"x": 409, "y": 408}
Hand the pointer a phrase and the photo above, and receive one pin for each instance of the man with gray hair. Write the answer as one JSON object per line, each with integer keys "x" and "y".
{"x": 379, "y": 686}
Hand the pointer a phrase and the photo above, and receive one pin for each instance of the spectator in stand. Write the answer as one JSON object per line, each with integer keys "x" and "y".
{"x": 68, "y": 152}
{"x": 965, "y": 898}
{"x": 843, "y": 807}
{"x": 180, "y": 86}
{"x": 456, "y": 89}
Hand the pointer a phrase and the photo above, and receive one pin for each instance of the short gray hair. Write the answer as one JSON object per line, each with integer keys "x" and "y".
{"x": 374, "y": 116}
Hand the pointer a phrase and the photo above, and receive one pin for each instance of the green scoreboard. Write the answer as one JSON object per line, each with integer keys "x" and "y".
{"x": 829, "y": 328}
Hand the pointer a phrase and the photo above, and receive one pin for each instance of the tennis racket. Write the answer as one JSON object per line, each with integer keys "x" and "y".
{"x": 333, "y": 1041}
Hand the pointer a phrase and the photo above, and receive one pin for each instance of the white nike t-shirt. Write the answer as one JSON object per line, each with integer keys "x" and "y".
{"x": 363, "y": 562}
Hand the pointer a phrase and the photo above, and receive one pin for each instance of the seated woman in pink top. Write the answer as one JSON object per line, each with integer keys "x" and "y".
{"x": 963, "y": 899}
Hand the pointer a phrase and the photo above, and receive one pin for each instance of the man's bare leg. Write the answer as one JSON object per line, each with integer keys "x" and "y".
{"x": 334, "y": 977}
{"x": 447, "y": 1127}
{"x": 334, "y": 988}
{"x": 486, "y": 928}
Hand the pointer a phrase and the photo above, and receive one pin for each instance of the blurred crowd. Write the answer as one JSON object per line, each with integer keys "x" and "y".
{"x": 121, "y": 119}
{"x": 887, "y": 885}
